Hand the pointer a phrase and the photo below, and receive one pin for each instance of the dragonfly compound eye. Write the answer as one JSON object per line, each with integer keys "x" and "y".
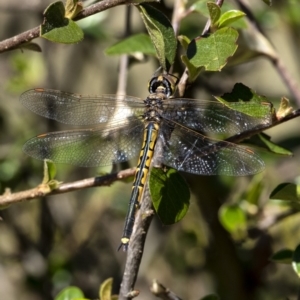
{"x": 161, "y": 84}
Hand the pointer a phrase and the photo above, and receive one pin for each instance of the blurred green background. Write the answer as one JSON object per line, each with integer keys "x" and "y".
{"x": 47, "y": 244}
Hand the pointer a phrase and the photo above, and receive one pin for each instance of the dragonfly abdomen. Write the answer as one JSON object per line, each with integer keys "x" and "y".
{"x": 146, "y": 154}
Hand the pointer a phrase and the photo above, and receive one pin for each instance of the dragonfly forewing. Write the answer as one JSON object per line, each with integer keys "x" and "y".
{"x": 89, "y": 147}
{"x": 214, "y": 117}
{"x": 75, "y": 109}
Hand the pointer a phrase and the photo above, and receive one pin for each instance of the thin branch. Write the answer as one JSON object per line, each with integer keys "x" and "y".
{"x": 124, "y": 58}
{"x": 246, "y": 134}
{"x": 123, "y": 72}
{"x": 27, "y": 36}
{"x": 270, "y": 221}
{"x": 17, "y": 40}
{"x": 43, "y": 190}
{"x": 162, "y": 292}
{"x": 287, "y": 78}
{"x": 100, "y": 6}
{"x": 136, "y": 246}
{"x": 178, "y": 12}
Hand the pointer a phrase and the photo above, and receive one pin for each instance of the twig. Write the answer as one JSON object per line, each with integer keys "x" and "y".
{"x": 268, "y": 222}
{"x": 40, "y": 191}
{"x": 27, "y": 36}
{"x": 287, "y": 78}
{"x": 100, "y": 6}
{"x": 123, "y": 68}
{"x": 246, "y": 134}
{"x": 122, "y": 81}
{"x": 136, "y": 246}
{"x": 178, "y": 12}
{"x": 17, "y": 40}
{"x": 162, "y": 292}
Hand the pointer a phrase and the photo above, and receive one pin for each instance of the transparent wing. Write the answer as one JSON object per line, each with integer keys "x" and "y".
{"x": 89, "y": 147}
{"x": 214, "y": 117}
{"x": 192, "y": 152}
{"x": 75, "y": 109}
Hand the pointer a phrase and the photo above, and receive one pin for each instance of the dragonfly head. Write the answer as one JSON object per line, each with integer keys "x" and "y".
{"x": 164, "y": 83}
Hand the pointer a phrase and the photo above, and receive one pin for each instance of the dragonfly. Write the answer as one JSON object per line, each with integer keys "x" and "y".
{"x": 115, "y": 128}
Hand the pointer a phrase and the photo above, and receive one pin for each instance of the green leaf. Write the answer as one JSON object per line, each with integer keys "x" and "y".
{"x": 263, "y": 141}
{"x": 105, "y": 289}
{"x": 248, "y": 103}
{"x": 57, "y": 28}
{"x": 243, "y": 93}
{"x": 170, "y": 195}
{"x": 54, "y": 16}
{"x": 212, "y": 52}
{"x": 136, "y": 43}
{"x": 193, "y": 71}
{"x": 70, "y": 293}
{"x": 184, "y": 41}
{"x": 284, "y": 256}
{"x": 269, "y": 145}
{"x": 31, "y": 46}
{"x": 233, "y": 219}
{"x": 230, "y": 17}
{"x": 214, "y": 12}
{"x": 49, "y": 183}
{"x": 287, "y": 192}
{"x": 161, "y": 33}
{"x": 296, "y": 260}
{"x": 211, "y": 297}
{"x": 49, "y": 171}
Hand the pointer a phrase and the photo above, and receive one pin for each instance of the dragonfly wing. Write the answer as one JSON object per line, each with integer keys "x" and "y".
{"x": 75, "y": 109}
{"x": 88, "y": 147}
{"x": 191, "y": 152}
{"x": 214, "y": 117}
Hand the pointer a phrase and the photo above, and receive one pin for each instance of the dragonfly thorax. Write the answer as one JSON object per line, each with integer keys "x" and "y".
{"x": 154, "y": 107}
